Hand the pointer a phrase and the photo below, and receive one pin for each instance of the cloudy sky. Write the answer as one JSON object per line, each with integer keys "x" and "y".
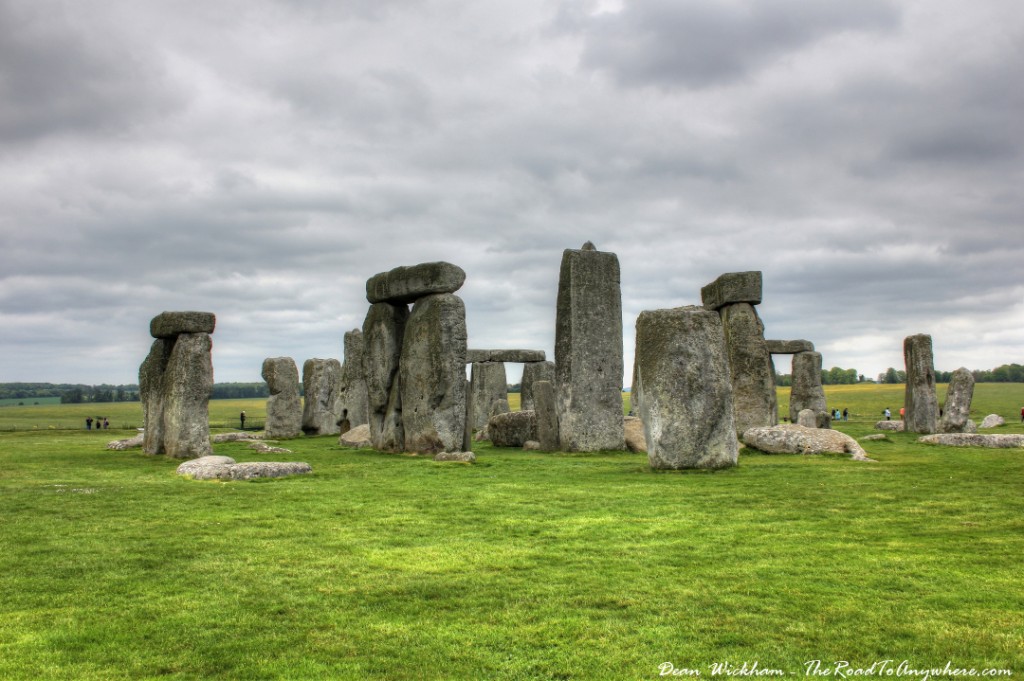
{"x": 260, "y": 159}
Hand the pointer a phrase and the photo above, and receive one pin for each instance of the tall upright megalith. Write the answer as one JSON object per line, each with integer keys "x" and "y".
{"x": 920, "y": 400}
{"x": 807, "y": 391}
{"x": 352, "y": 398}
{"x": 488, "y": 382}
{"x": 588, "y": 351}
{"x": 284, "y": 406}
{"x": 175, "y": 381}
{"x": 533, "y": 372}
{"x": 956, "y": 417}
{"x": 684, "y": 388}
{"x": 432, "y": 375}
{"x": 321, "y": 379}
{"x": 383, "y": 330}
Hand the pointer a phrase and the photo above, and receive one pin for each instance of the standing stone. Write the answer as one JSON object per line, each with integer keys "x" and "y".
{"x": 151, "y": 392}
{"x": 957, "y": 413}
{"x": 920, "y": 400}
{"x": 546, "y": 409}
{"x": 750, "y": 365}
{"x": 533, "y": 372}
{"x": 383, "y": 329}
{"x": 284, "y": 406}
{"x": 467, "y": 431}
{"x": 808, "y": 418}
{"x": 488, "y": 383}
{"x": 433, "y": 375}
{"x": 352, "y": 393}
{"x": 685, "y": 389}
{"x": 512, "y": 429}
{"x": 188, "y": 381}
{"x": 588, "y": 351}
{"x": 806, "y": 392}
{"x": 320, "y": 381}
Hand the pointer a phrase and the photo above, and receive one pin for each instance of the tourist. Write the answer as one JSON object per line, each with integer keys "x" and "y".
{"x": 88, "y": 423}
{"x": 903, "y": 412}
{"x": 106, "y": 423}
{"x": 846, "y": 414}
{"x": 241, "y": 417}
{"x": 1022, "y": 414}
{"x": 887, "y": 413}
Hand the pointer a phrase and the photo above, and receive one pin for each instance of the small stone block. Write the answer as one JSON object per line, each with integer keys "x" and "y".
{"x": 171, "y": 324}
{"x": 733, "y": 287}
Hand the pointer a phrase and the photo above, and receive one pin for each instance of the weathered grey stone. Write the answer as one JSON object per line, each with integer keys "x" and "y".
{"x": 320, "y": 381}
{"x": 188, "y": 381}
{"x": 408, "y": 284}
{"x": 730, "y": 288}
{"x": 531, "y": 446}
{"x": 546, "y": 413}
{"x": 513, "y": 429}
{"x": 992, "y": 421}
{"x": 685, "y": 389}
{"x": 358, "y": 436}
{"x": 956, "y": 414}
{"x": 433, "y": 375}
{"x": 284, "y": 406}
{"x": 636, "y": 441}
{"x": 488, "y": 382}
{"x": 352, "y": 398}
{"x": 459, "y": 457}
{"x": 920, "y": 400}
{"x": 588, "y": 352}
{"x": 151, "y": 393}
{"x": 789, "y": 347}
{"x": 895, "y": 426}
{"x": 806, "y": 391}
{"x": 127, "y": 443}
{"x": 791, "y": 438}
{"x": 171, "y": 324}
{"x": 533, "y": 372}
{"x": 1002, "y": 441}
{"x": 383, "y": 330}
{"x": 264, "y": 448}
{"x": 207, "y": 468}
{"x": 808, "y": 418}
{"x": 268, "y": 469}
{"x": 514, "y": 356}
{"x": 499, "y": 406}
{"x": 235, "y": 437}
{"x": 875, "y": 437}
{"x": 750, "y": 366}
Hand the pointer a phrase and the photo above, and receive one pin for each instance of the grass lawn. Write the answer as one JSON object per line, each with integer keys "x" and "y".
{"x": 522, "y": 566}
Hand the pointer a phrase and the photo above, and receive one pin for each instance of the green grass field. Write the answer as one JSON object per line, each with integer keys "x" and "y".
{"x": 522, "y": 566}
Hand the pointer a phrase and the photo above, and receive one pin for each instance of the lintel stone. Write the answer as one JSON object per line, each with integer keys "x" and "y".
{"x": 514, "y": 356}
{"x": 732, "y": 287}
{"x": 789, "y": 347}
{"x": 408, "y": 284}
{"x": 171, "y": 324}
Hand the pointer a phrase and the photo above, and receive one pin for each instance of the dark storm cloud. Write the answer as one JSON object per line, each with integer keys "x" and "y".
{"x": 703, "y": 43}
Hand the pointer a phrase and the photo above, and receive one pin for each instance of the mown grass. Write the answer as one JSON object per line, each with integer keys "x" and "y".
{"x": 522, "y": 566}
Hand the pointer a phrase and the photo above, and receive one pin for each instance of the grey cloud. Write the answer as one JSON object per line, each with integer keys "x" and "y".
{"x": 702, "y": 43}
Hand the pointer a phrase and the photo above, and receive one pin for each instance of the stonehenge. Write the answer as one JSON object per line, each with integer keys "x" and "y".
{"x": 352, "y": 399}
{"x": 175, "y": 381}
{"x": 685, "y": 389}
{"x": 284, "y": 406}
{"x": 922, "y": 405}
{"x": 532, "y": 373}
{"x": 588, "y": 351}
{"x": 320, "y": 411}
{"x": 956, "y": 417}
{"x": 488, "y": 382}
{"x": 807, "y": 391}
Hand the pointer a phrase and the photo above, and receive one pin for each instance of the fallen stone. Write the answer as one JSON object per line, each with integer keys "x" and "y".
{"x": 207, "y": 467}
{"x": 750, "y": 367}
{"x": 896, "y": 426}
{"x": 408, "y": 284}
{"x": 1001, "y": 441}
{"x": 685, "y": 393}
{"x": 127, "y": 443}
{"x": 874, "y": 437}
{"x": 514, "y": 356}
{"x": 790, "y": 438}
{"x": 358, "y": 437}
{"x": 383, "y": 330}
{"x": 171, "y": 324}
{"x": 636, "y": 441}
{"x": 588, "y": 352}
{"x": 235, "y": 437}
{"x": 459, "y": 457}
{"x": 992, "y": 421}
{"x": 789, "y": 347}
{"x": 733, "y": 287}
{"x": 264, "y": 448}
{"x": 268, "y": 469}
{"x": 920, "y": 400}
{"x": 513, "y": 429}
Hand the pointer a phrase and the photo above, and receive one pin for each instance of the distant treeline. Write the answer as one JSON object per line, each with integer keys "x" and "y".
{"x": 1007, "y": 373}
{"x": 79, "y": 393}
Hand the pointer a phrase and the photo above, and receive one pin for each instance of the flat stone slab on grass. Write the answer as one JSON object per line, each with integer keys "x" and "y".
{"x": 225, "y": 468}
{"x": 1006, "y": 441}
{"x": 513, "y": 429}
{"x": 874, "y": 438}
{"x": 458, "y": 457}
{"x": 127, "y": 443}
{"x": 992, "y": 421}
{"x": 356, "y": 437}
{"x": 171, "y": 324}
{"x": 890, "y": 425}
{"x": 790, "y": 438}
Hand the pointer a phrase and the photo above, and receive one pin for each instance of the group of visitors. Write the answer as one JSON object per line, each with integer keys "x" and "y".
{"x": 843, "y": 415}
{"x": 100, "y": 421}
